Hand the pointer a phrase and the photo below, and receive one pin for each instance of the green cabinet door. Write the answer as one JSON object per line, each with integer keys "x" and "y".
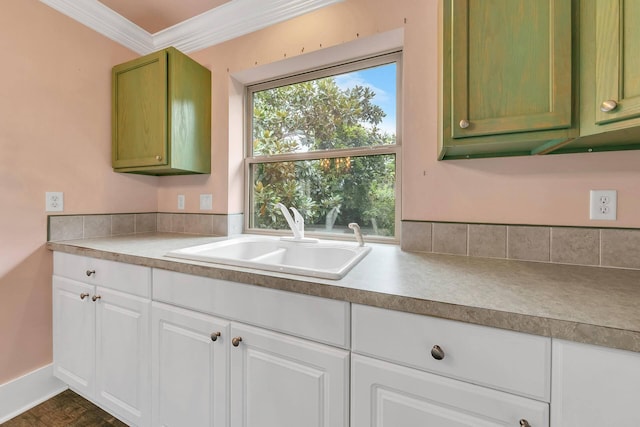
{"x": 609, "y": 77}
{"x": 617, "y": 60}
{"x": 507, "y": 77}
{"x": 161, "y": 115}
{"x": 140, "y": 112}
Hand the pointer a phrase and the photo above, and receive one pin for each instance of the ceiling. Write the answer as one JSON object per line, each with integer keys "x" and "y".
{"x": 146, "y": 26}
{"x": 156, "y": 15}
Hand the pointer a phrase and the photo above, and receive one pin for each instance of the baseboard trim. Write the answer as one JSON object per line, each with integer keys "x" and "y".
{"x": 27, "y": 391}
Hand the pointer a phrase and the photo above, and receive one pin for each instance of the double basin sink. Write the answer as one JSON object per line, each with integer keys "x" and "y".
{"x": 323, "y": 259}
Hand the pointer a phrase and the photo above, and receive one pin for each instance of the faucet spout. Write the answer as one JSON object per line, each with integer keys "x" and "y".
{"x": 299, "y": 221}
{"x": 356, "y": 232}
{"x": 297, "y": 235}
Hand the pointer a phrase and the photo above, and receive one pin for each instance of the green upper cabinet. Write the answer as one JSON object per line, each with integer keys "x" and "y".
{"x": 617, "y": 60}
{"x": 507, "y": 77}
{"x": 609, "y": 76}
{"x": 161, "y": 115}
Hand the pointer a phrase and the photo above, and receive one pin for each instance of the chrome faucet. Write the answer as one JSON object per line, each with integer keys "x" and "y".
{"x": 356, "y": 232}
{"x": 296, "y": 225}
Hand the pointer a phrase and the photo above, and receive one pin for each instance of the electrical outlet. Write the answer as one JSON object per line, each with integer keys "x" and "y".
{"x": 603, "y": 204}
{"x": 206, "y": 202}
{"x": 54, "y": 201}
{"x": 181, "y": 202}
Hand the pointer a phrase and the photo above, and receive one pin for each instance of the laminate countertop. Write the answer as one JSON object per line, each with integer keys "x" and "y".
{"x": 594, "y": 305}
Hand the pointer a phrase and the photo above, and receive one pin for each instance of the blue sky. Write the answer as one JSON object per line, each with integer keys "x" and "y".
{"x": 382, "y": 80}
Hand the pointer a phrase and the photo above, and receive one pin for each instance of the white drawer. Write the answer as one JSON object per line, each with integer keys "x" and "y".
{"x": 510, "y": 361}
{"x": 129, "y": 278}
{"x": 315, "y": 318}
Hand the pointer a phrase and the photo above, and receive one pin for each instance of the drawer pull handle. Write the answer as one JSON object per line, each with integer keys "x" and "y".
{"x": 608, "y": 106}
{"x": 236, "y": 341}
{"x": 83, "y": 295}
{"x": 90, "y": 272}
{"x": 464, "y": 123}
{"x": 95, "y": 298}
{"x": 214, "y": 336}
{"x": 524, "y": 423}
{"x": 437, "y": 352}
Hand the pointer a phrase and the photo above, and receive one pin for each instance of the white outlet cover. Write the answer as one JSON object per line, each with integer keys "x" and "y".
{"x": 54, "y": 201}
{"x": 181, "y": 202}
{"x": 206, "y": 202}
{"x": 603, "y": 205}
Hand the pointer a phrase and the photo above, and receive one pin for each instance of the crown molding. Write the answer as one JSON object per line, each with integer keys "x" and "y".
{"x": 231, "y": 20}
{"x": 105, "y": 21}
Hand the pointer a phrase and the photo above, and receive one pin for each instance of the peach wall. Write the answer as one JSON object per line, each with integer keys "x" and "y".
{"x": 55, "y": 135}
{"x": 550, "y": 190}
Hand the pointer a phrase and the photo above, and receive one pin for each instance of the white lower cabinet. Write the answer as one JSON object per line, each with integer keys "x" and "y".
{"x": 190, "y": 368}
{"x": 102, "y": 341}
{"x": 414, "y": 371}
{"x": 594, "y": 386}
{"x": 282, "y": 381}
{"x": 215, "y": 353}
{"x": 101, "y": 347}
{"x": 226, "y": 373}
{"x": 385, "y": 394}
{"x": 202, "y": 365}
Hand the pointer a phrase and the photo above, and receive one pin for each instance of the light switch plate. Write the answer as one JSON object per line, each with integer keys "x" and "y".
{"x": 181, "y": 202}
{"x": 54, "y": 201}
{"x": 206, "y": 202}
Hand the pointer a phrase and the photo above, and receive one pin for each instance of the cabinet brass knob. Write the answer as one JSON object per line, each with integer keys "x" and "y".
{"x": 83, "y": 295}
{"x": 90, "y": 272}
{"x": 608, "y": 105}
{"x": 464, "y": 123}
{"x": 158, "y": 158}
{"x": 437, "y": 352}
{"x": 524, "y": 423}
{"x": 214, "y": 336}
{"x": 236, "y": 341}
{"x": 95, "y": 298}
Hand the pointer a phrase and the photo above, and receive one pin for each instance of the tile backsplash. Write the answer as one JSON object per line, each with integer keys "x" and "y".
{"x": 72, "y": 227}
{"x": 219, "y": 225}
{"x": 606, "y": 247}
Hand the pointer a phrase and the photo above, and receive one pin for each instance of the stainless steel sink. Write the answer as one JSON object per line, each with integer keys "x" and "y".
{"x": 324, "y": 259}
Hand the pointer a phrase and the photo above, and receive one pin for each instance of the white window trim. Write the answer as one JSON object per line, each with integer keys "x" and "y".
{"x": 388, "y": 57}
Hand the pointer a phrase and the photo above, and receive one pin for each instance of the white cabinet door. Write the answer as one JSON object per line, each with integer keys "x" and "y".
{"x": 74, "y": 334}
{"x": 388, "y": 395}
{"x": 594, "y": 386}
{"x": 123, "y": 373}
{"x": 190, "y": 368}
{"x": 281, "y": 381}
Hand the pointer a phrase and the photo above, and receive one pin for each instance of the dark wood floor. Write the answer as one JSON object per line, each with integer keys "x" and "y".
{"x": 67, "y": 409}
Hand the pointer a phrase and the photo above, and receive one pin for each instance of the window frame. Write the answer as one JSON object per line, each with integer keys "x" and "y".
{"x": 386, "y": 58}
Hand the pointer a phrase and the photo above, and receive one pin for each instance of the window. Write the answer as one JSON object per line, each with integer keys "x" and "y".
{"x": 326, "y": 143}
